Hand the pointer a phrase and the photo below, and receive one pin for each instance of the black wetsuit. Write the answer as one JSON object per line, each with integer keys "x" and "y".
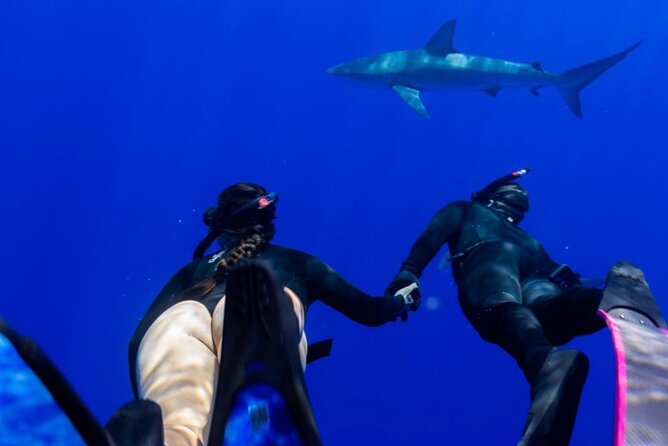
{"x": 503, "y": 275}
{"x": 310, "y": 278}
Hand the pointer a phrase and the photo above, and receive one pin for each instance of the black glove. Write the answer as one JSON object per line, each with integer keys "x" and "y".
{"x": 406, "y": 285}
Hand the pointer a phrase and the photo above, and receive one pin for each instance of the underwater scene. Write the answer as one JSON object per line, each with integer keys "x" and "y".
{"x": 441, "y": 187}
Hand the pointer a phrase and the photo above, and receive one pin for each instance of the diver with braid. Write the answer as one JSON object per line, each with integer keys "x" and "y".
{"x": 231, "y": 319}
{"x": 515, "y": 296}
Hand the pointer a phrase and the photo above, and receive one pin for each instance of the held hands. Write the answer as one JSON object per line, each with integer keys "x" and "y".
{"x": 406, "y": 285}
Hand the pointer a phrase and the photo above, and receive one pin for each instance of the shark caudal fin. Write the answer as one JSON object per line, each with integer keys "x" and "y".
{"x": 572, "y": 81}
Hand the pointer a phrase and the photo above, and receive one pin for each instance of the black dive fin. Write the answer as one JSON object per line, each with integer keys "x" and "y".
{"x": 641, "y": 345}
{"x": 319, "y": 350}
{"x": 441, "y": 43}
{"x": 137, "y": 423}
{"x": 37, "y": 399}
{"x": 261, "y": 393}
{"x": 555, "y": 395}
{"x": 626, "y": 290}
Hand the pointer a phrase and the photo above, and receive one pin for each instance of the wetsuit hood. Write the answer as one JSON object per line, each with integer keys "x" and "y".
{"x": 505, "y": 196}
{"x": 242, "y": 210}
{"x": 510, "y": 200}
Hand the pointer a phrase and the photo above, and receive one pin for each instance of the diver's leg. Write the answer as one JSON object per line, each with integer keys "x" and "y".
{"x": 570, "y": 313}
{"x": 176, "y": 366}
{"x": 301, "y": 316}
{"x": 178, "y": 362}
{"x": 490, "y": 295}
{"x": 555, "y": 396}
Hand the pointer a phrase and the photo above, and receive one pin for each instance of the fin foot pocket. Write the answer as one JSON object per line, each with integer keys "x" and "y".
{"x": 627, "y": 296}
{"x": 137, "y": 423}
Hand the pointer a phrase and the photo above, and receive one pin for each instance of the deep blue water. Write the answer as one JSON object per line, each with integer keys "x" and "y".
{"x": 121, "y": 121}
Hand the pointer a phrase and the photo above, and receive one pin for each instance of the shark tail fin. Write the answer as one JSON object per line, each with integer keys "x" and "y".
{"x": 572, "y": 81}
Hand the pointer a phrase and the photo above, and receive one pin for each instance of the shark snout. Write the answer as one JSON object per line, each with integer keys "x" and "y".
{"x": 338, "y": 70}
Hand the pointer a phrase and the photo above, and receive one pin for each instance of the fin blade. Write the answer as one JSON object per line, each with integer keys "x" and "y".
{"x": 441, "y": 43}
{"x": 640, "y": 340}
{"x": 412, "y": 97}
{"x": 42, "y": 389}
{"x": 319, "y": 350}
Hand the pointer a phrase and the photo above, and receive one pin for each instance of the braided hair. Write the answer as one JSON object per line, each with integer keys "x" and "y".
{"x": 242, "y": 235}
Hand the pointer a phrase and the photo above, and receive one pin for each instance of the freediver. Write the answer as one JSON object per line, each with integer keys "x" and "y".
{"x": 515, "y": 296}
{"x": 185, "y": 359}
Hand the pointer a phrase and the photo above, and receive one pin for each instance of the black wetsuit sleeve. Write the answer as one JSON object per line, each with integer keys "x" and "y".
{"x": 440, "y": 230}
{"x": 328, "y": 286}
{"x": 167, "y": 297}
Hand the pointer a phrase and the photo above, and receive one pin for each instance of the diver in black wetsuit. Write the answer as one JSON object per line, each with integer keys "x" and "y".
{"x": 261, "y": 291}
{"x": 515, "y": 296}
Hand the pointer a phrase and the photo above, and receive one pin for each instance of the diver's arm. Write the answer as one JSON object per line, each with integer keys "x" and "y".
{"x": 328, "y": 286}
{"x": 440, "y": 230}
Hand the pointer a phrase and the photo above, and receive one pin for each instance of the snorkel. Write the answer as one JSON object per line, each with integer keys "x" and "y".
{"x": 256, "y": 204}
{"x": 486, "y": 193}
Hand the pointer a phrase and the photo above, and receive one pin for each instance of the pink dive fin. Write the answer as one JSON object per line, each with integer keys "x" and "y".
{"x": 640, "y": 340}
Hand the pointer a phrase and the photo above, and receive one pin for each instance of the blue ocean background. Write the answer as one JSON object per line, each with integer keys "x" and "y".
{"x": 121, "y": 121}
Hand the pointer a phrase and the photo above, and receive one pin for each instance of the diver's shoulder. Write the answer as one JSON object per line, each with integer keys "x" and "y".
{"x": 198, "y": 269}
{"x": 278, "y": 250}
{"x": 456, "y": 206}
{"x": 460, "y": 204}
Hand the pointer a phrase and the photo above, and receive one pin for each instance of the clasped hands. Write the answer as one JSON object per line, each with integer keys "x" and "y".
{"x": 406, "y": 285}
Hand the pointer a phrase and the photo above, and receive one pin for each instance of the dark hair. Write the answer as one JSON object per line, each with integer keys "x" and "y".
{"x": 243, "y": 236}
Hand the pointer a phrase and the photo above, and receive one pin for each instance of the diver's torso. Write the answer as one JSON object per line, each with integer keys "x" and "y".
{"x": 481, "y": 226}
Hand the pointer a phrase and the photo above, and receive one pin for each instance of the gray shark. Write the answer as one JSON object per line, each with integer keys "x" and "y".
{"x": 439, "y": 65}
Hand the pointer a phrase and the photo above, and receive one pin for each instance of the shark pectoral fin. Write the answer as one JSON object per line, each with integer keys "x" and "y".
{"x": 534, "y": 91}
{"x": 440, "y": 43}
{"x": 537, "y": 66}
{"x": 412, "y": 97}
{"x": 492, "y": 91}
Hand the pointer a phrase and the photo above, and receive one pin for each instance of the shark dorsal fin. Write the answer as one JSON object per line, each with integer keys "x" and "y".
{"x": 536, "y": 65}
{"x": 440, "y": 43}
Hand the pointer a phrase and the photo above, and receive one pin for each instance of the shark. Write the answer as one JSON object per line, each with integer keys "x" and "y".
{"x": 439, "y": 65}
